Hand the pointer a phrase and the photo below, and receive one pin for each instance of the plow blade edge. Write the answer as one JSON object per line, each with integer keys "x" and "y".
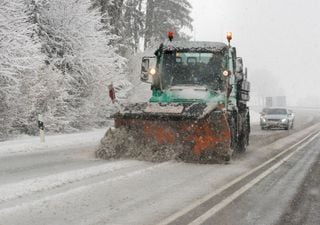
{"x": 192, "y": 133}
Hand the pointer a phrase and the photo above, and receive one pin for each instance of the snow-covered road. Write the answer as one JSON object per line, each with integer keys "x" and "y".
{"x": 61, "y": 182}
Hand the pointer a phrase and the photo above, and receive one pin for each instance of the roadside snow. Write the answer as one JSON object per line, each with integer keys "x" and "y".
{"x": 28, "y": 144}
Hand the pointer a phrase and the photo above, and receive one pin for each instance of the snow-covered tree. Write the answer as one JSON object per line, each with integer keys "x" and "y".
{"x": 58, "y": 57}
{"x": 130, "y": 20}
{"x": 124, "y": 21}
{"x": 75, "y": 44}
{"x": 55, "y": 60}
{"x": 20, "y": 58}
{"x": 134, "y": 18}
{"x": 166, "y": 15}
{"x": 112, "y": 13}
{"x": 111, "y": 18}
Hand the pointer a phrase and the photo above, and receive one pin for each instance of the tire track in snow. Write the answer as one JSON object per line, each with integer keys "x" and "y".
{"x": 79, "y": 189}
{"x": 19, "y": 189}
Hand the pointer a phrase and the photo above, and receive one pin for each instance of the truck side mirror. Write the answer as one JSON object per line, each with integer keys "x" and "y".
{"x": 145, "y": 65}
{"x": 245, "y": 73}
{"x": 145, "y": 69}
{"x": 239, "y": 65}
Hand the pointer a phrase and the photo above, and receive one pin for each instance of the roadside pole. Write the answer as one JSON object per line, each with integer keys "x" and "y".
{"x": 112, "y": 95}
{"x": 41, "y": 128}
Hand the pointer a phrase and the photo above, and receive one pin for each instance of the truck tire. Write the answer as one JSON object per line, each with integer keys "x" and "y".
{"x": 242, "y": 141}
{"x": 243, "y": 138}
{"x": 233, "y": 130}
{"x": 241, "y": 145}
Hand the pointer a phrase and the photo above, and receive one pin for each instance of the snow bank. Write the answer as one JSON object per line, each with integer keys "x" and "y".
{"x": 28, "y": 144}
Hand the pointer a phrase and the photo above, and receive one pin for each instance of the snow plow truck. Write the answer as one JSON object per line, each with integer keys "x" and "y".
{"x": 197, "y": 112}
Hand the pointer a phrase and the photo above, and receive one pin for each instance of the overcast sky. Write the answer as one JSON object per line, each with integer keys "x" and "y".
{"x": 278, "y": 39}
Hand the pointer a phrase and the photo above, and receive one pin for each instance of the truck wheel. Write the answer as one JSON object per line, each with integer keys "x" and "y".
{"x": 243, "y": 140}
{"x": 233, "y": 128}
{"x": 241, "y": 145}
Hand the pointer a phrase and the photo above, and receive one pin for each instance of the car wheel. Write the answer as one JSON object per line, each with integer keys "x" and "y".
{"x": 287, "y": 127}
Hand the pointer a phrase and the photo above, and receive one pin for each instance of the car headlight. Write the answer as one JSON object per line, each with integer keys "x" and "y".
{"x": 263, "y": 119}
{"x": 284, "y": 120}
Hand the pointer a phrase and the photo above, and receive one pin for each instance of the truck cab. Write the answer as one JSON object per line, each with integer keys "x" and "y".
{"x": 187, "y": 72}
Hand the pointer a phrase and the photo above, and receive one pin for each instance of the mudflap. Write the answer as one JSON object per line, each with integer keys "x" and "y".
{"x": 204, "y": 140}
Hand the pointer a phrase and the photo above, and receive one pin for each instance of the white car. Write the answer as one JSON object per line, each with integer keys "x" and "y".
{"x": 276, "y": 118}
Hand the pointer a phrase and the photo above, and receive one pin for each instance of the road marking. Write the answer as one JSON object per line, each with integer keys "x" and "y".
{"x": 197, "y": 203}
{"x": 238, "y": 193}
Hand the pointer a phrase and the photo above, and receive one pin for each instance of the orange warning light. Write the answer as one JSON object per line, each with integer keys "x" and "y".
{"x": 229, "y": 36}
{"x": 170, "y": 35}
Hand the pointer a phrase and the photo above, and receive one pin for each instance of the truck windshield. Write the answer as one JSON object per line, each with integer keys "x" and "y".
{"x": 192, "y": 68}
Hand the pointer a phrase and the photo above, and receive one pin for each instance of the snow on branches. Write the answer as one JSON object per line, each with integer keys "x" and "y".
{"x": 58, "y": 57}
{"x": 20, "y": 57}
{"x": 55, "y": 60}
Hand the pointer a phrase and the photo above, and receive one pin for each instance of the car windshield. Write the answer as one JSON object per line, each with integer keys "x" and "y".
{"x": 196, "y": 68}
{"x": 276, "y": 111}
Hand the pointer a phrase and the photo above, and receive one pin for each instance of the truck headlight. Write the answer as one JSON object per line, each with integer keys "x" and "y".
{"x": 153, "y": 71}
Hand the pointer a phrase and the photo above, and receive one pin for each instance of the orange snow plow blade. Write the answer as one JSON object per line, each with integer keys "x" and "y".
{"x": 202, "y": 136}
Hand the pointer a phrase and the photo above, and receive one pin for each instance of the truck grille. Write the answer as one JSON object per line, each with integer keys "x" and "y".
{"x": 274, "y": 120}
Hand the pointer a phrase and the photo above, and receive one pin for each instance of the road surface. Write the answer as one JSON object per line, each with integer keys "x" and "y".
{"x": 68, "y": 185}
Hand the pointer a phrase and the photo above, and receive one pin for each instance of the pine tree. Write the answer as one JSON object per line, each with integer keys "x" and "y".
{"x": 129, "y": 23}
{"x": 124, "y": 20}
{"x": 163, "y": 16}
{"x": 112, "y": 12}
{"x": 133, "y": 18}
{"x": 111, "y": 19}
